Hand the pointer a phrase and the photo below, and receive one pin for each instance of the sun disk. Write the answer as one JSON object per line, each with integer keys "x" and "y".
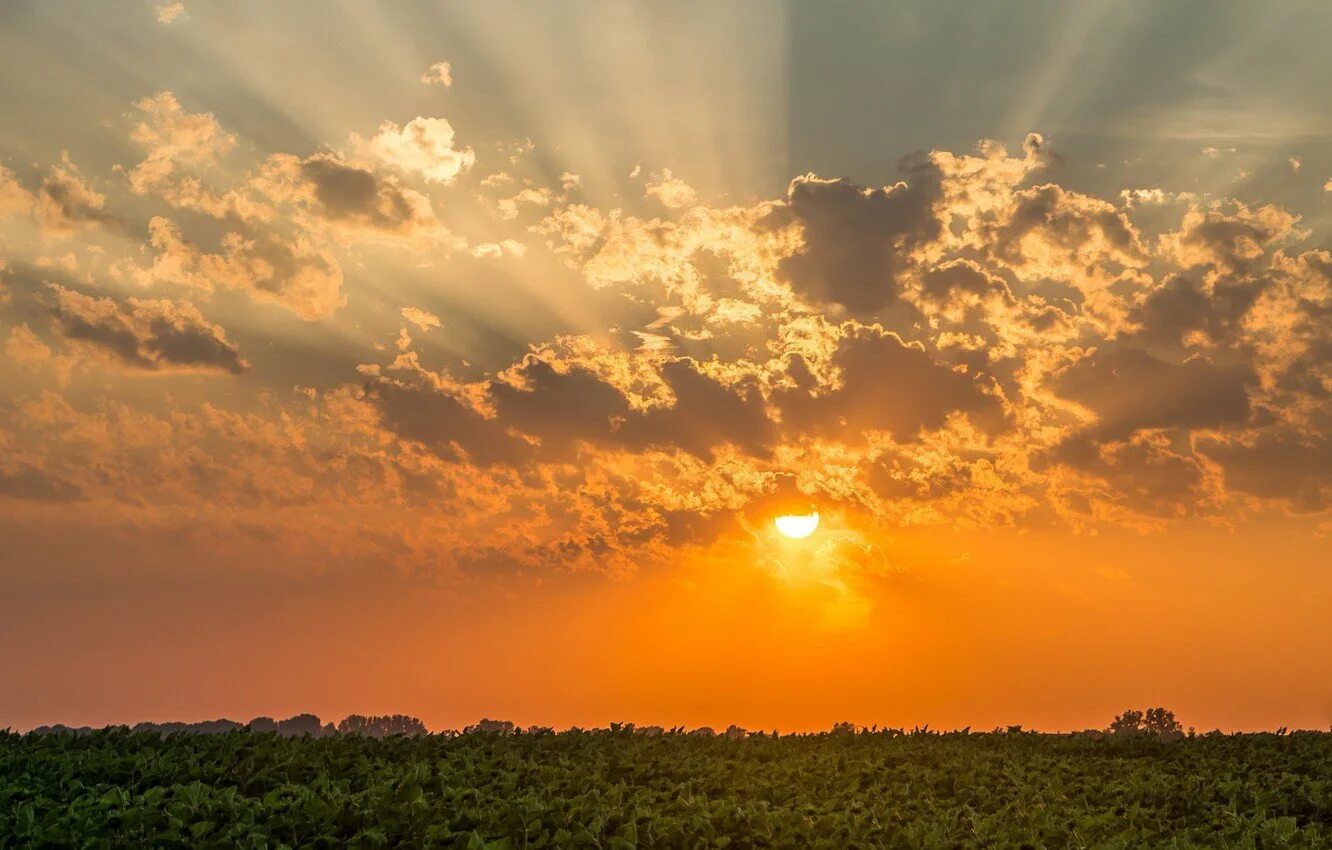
{"x": 797, "y": 526}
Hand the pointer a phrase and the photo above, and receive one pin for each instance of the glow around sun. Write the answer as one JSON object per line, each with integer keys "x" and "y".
{"x": 797, "y": 526}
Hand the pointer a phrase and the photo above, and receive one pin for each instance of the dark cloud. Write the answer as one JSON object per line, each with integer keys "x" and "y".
{"x": 1129, "y": 389}
{"x": 65, "y": 201}
{"x": 1181, "y": 306}
{"x": 1231, "y": 239}
{"x": 346, "y": 192}
{"x": 294, "y": 272}
{"x": 885, "y": 385}
{"x": 705, "y": 415}
{"x": 561, "y": 408}
{"x": 1068, "y": 229}
{"x": 1148, "y": 476}
{"x": 942, "y": 282}
{"x": 441, "y": 420}
{"x": 151, "y": 335}
{"x": 1282, "y": 465}
{"x": 545, "y": 412}
{"x": 858, "y": 241}
{"x": 24, "y": 481}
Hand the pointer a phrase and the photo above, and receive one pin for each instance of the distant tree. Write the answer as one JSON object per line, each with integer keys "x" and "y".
{"x": 494, "y": 727}
{"x": 1128, "y": 723}
{"x": 704, "y": 732}
{"x": 843, "y": 727}
{"x": 1160, "y": 722}
{"x": 735, "y": 733}
{"x": 301, "y": 724}
{"x": 263, "y": 724}
{"x": 381, "y": 726}
{"x": 354, "y": 724}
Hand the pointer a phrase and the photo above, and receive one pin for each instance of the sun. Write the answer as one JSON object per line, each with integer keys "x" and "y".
{"x": 797, "y": 526}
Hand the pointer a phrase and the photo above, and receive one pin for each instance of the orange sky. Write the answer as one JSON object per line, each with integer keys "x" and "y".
{"x": 1036, "y": 629}
{"x": 357, "y": 366}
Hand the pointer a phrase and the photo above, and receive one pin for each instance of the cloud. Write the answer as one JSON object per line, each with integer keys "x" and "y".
{"x": 1229, "y": 238}
{"x": 181, "y": 146}
{"x": 880, "y": 383}
{"x": 154, "y": 335}
{"x": 857, "y": 242}
{"x": 423, "y": 319}
{"x": 1281, "y": 465}
{"x": 670, "y": 190}
{"x": 1129, "y": 389}
{"x": 168, "y": 13}
{"x": 14, "y": 199}
{"x": 1182, "y": 311}
{"x": 345, "y": 192}
{"x": 66, "y": 202}
{"x": 549, "y": 405}
{"x": 1048, "y": 232}
{"x": 963, "y": 347}
{"x": 25, "y": 348}
{"x": 291, "y": 271}
{"x": 438, "y": 74}
{"x": 424, "y": 147}
{"x": 24, "y": 481}
{"x": 496, "y": 250}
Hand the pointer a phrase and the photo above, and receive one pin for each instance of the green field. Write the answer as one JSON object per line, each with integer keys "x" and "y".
{"x": 619, "y": 789}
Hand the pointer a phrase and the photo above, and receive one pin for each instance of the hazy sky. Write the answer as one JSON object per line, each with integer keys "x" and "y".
{"x": 455, "y": 359}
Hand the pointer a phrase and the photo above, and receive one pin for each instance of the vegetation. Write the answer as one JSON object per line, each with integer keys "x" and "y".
{"x": 497, "y": 787}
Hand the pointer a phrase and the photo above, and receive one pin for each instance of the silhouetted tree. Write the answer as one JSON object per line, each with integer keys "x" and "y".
{"x": 263, "y": 724}
{"x": 1128, "y": 723}
{"x": 301, "y": 724}
{"x": 1160, "y": 722}
{"x": 381, "y": 726}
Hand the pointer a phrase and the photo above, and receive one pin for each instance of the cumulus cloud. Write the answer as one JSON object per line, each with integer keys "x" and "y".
{"x": 965, "y": 345}
{"x": 67, "y": 202}
{"x": 152, "y": 335}
{"x": 496, "y": 250}
{"x": 670, "y": 190}
{"x": 1229, "y": 238}
{"x": 25, "y": 348}
{"x": 857, "y": 242}
{"x": 880, "y": 383}
{"x": 423, "y": 319}
{"x": 345, "y": 192}
{"x": 14, "y": 199}
{"x": 438, "y": 74}
{"x": 169, "y": 13}
{"x": 1128, "y": 389}
{"x": 25, "y": 481}
{"x": 293, "y": 271}
{"x": 425, "y": 147}
{"x": 180, "y": 146}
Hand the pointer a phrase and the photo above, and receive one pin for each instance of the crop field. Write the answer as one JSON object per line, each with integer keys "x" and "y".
{"x": 622, "y": 789}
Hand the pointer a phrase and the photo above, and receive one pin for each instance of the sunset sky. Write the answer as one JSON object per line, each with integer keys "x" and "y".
{"x": 455, "y": 360}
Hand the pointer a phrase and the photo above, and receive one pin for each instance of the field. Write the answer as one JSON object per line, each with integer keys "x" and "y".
{"x": 619, "y": 789}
